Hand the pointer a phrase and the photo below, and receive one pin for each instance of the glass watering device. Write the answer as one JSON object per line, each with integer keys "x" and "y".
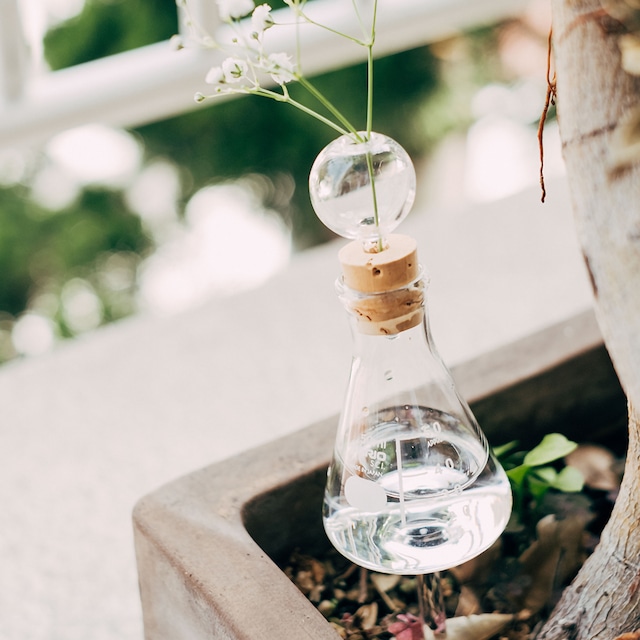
{"x": 413, "y": 487}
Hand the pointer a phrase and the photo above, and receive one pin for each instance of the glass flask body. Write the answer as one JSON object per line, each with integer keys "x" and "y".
{"x": 413, "y": 487}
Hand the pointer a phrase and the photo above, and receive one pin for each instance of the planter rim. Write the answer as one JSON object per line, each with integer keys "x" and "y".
{"x": 191, "y": 539}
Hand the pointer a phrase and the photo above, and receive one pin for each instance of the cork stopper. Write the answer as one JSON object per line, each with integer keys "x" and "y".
{"x": 392, "y": 306}
{"x": 386, "y": 270}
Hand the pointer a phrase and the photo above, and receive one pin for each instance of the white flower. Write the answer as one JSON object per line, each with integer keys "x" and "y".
{"x": 230, "y": 9}
{"x": 176, "y": 42}
{"x": 261, "y": 18}
{"x": 234, "y": 69}
{"x": 281, "y": 67}
{"x": 215, "y": 76}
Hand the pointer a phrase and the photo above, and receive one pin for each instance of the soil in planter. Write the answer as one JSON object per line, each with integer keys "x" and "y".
{"x": 522, "y": 575}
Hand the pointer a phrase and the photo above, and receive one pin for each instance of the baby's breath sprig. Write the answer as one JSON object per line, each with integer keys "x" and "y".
{"x": 248, "y": 66}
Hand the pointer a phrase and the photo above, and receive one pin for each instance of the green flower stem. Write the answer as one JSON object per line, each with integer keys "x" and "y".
{"x": 372, "y": 40}
{"x": 329, "y": 106}
{"x": 301, "y": 14}
{"x": 369, "y": 92}
{"x": 376, "y": 217}
{"x": 286, "y": 98}
{"x": 357, "y": 41}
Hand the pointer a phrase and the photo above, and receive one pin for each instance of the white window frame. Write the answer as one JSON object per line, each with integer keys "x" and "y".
{"x": 156, "y": 82}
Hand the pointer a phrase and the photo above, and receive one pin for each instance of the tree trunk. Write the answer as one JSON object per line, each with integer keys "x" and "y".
{"x": 604, "y": 599}
{"x": 593, "y": 94}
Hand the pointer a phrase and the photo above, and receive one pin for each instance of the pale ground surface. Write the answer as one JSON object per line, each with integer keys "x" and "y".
{"x": 92, "y": 427}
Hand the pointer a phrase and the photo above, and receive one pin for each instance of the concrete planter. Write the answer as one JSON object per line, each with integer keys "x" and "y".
{"x": 207, "y": 544}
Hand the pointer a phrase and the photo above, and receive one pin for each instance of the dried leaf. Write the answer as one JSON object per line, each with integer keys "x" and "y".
{"x": 571, "y": 532}
{"x": 478, "y": 569}
{"x": 468, "y": 602}
{"x": 353, "y": 594}
{"x": 540, "y": 562}
{"x": 596, "y": 464}
{"x": 368, "y": 615}
{"x": 552, "y": 558}
{"x": 315, "y": 595}
{"x": 317, "y": 570}
{"x": 384, "y": 582}
{"x": 304, "y": 581}
{"x": 326, "y": 607}
{"x": 339, "y": 629}
{"x": 475, "y": 627}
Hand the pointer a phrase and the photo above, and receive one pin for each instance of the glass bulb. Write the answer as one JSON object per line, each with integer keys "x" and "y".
{"x": 342, "y": 193}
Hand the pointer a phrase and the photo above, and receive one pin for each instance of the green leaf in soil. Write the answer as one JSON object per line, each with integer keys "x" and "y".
{"x": 503, "y": 449}
{"x": 553, "y": 447}
{"x": 518, "y": 474}
{"x": 540, "y": 481}
{"x": 569, "y": 480}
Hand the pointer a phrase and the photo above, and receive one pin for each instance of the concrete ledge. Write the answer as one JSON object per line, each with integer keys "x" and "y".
{"x": 203, "y": 575}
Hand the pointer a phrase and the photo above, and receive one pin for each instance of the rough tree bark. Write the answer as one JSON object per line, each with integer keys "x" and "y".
{"x": 593, "y": 95}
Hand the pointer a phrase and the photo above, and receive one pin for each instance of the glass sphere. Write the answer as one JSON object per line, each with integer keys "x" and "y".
{"x": 341, "y": 190}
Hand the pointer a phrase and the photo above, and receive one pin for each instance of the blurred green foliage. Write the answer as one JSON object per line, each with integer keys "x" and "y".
{"x": 41, "y": 250}
{"x": 38, "y": 245}
{"x": 106, "y": 27}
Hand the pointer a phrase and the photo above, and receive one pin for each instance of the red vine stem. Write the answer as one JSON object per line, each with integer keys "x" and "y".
{"x": 550, "y": 99}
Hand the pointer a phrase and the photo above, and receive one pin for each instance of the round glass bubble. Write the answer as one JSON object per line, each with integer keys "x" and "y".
{"x": 341, "y": 191}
